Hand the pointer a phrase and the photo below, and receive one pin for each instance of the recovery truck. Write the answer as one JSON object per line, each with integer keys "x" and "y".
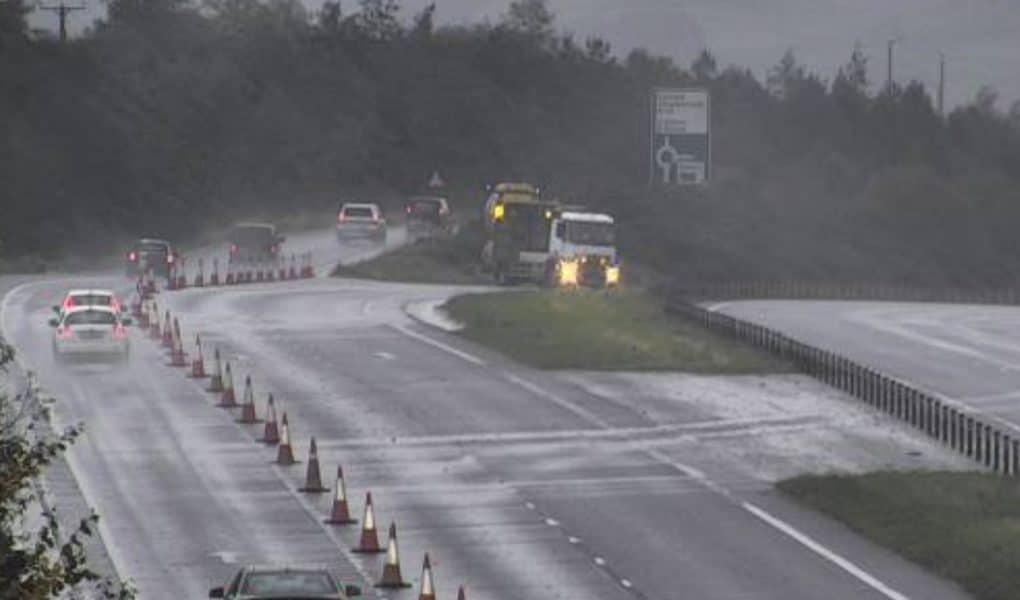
{"x": 538, "y": 241}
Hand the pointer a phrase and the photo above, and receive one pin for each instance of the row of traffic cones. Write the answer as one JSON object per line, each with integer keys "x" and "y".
{"x": 278, "y": 433}
{"x": 298, "y": 267}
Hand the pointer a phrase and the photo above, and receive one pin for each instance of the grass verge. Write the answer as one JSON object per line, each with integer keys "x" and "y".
{"x": 599, "y": 330}
{"x": 963, "y": 526}
{"x": 452, "y": 261}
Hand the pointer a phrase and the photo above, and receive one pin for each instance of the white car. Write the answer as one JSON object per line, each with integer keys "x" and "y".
{"x": 360, "y": 220}
{"x": 91, "y": 331}
{"x": 79, "y": 298}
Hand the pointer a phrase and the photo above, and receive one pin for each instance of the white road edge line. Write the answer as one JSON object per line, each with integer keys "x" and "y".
{"x": 69, "y": 457}
{"x": 824, "y": 552}
{"x": 437, "y": 344}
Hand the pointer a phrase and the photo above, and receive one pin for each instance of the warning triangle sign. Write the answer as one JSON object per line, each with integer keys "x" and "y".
{"x": 436, "y": 181}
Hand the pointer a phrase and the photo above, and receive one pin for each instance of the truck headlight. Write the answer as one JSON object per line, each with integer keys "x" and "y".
{"x": 568, "y": 272}
{"x": 612, "y": 275}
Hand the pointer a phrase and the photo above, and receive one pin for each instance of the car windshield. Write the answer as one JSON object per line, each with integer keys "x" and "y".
{"x": 251, "y": 236}
{"x": 91, "y": 300}
{"x": 359, "y": 212}
{"x": 275, "y": 584}
{"x": 591, "y": 234}
{"x": 91, "y": 317}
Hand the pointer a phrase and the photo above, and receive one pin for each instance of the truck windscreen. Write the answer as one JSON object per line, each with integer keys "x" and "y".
{"x": 591, "y": 234}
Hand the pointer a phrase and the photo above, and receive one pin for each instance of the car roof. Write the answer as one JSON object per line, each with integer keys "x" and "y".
{"x": 152, "y": 241}
{"x": 252, "y": 224}
{"x": 78, "y": 309}
{"x": 428, "y": 199}
{"x": 587, "y": 217}
{"x": 359, "y": 205}
{"x": 285, "y": 569}
{"x": 90, "y": 293}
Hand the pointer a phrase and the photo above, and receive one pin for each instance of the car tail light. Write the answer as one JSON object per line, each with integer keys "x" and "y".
{"x": 233, "y": 248}
{"x": 119, "y": 332}
{"x": 170, "y": 259}
{"x": 68, "y": 303}
{"x": 341, "y": 218}
{"x": 64, "y": 333}
{"x": 444, "y": 211}
{"x": 409, "y": 209}
{"x": 133, "y": 256}
{"x": 274, "y": 249}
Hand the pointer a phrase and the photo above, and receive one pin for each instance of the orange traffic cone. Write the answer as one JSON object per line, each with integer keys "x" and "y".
{"x": 168, "y": 332}
{"x": 284, "y": 452}
{"x": 198, "y": 365}
{"x": 340, "y": 515}
{"x": 369, "y": 537}
{"x": 214, "y": 278}
{"x": 155, "y": 331}
{"x": 313, "y": 479}
{"x": 227, "y": 399}
{"x": 271, "y": 434}
{"x": 428, "y": 590}
{"x": 391, "y": 578}
{"x": 177, "y": 357}
{"x": 248, "y": 416}
{"x": 216, "y": 382}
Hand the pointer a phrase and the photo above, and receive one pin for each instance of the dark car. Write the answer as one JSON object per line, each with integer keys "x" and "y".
{"x": 255, "y": 242}
{"x": 264, "y": 583}
{"x": 148, "y": 253}
{"x": 428, "y": 216}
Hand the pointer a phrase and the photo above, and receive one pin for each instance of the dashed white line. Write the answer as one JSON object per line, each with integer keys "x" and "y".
{"x": 552, "y": 522}
{"x": 600, "y": 561}
{"x": 626, "y": 583}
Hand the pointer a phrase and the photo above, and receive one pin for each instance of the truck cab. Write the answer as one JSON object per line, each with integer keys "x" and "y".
{"x": 582, "y": 250}
{"x": 518, "y": 224}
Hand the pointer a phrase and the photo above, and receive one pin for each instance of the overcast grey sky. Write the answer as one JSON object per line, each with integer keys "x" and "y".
{"x": 981, "y": 38}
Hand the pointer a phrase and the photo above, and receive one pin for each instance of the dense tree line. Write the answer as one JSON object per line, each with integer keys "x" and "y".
{"x": 175, "y": 114}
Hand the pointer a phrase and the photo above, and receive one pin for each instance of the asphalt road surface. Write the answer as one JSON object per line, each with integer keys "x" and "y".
{"x": 970, "y": 353}
{"x": 520, "y": 484}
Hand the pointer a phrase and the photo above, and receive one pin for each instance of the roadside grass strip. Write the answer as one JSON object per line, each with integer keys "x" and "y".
{"x": 447, "y": 261}
{"x": 962, "y": 526}
{"x": 600, "y": 330}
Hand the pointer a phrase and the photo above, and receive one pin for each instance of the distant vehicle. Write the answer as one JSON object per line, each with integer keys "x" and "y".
{"x": 582, "y": 250}
{"x": 260, "y": 583}
{"x": 360, "y": 220}
{"x": 90, "y": 331}
{"x": 255, "y": 242}
{"x": 428, "y": 216}
{"x": 148, "y": 253}
{"x": 78, "y": 298}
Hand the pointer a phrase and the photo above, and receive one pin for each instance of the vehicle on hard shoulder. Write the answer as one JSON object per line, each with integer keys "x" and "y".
{"x": 429, "y": 217}
{"x": 254, "y": 243}
{"x": 90, "y": 331}
{"x": 147, "y": 254}
{"x": 264, "y": 583}
{"x": 582, "y": 250}
{"x": 90, "y": 297}
{"x": 360, "y": 220}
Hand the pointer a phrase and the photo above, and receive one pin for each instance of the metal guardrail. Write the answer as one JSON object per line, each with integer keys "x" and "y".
{"x": 795, "y": 290}
{"x": 989, "y": 441}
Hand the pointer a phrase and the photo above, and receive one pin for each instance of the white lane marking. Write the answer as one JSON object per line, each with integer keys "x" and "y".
{"x": 600, "y": 561}
{"x": 530, "y": 505}
{"x": 574, "y": 540}
{"x": 718, "y": 306}
{"x": 806, "y": 541}
{"x": 70, "y": 458}
{"x": 227, "y": 558}
{"x": 552, "y": 522}
{"x": 557, "y": 400}
{"x": 437, "y": 344}
{"x": 384, "y": 356}
{"x": 626, "y": 583}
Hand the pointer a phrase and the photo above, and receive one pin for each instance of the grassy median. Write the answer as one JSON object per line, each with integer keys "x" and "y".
{"x": 449, "y": 260}
{"x": 599, "y": 330}
{"x": 963, "y": 526}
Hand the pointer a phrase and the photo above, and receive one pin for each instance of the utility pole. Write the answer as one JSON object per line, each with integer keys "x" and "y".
{"x": 62, "y": 11}
{"x": 889, "y": 62}
{"x": 942, "y": 83}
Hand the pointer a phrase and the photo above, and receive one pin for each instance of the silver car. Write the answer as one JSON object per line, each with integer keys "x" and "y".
{"x": 90, "y": 331}
{"x": 362, "y": 221}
